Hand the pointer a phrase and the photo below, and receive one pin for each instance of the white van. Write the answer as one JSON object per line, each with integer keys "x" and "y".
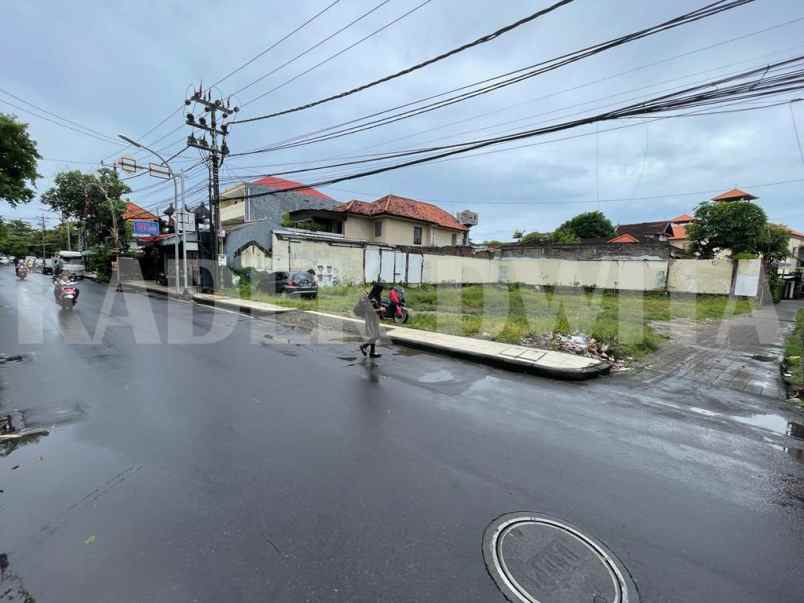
{"x": 70, "y": 261}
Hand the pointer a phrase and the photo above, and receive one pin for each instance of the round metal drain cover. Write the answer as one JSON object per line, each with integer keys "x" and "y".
{"x": 539, "y": 559}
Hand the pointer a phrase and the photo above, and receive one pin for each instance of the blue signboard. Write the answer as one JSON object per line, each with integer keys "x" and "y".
{"x": 145, "y": 228}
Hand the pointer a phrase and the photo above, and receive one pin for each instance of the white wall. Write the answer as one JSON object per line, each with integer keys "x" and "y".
{"x": 454, "y": 269}
{"x": 700, "y": 276}
{"x": 345, "y": 264}
{"x": 603, "y": 274}
{"x": 334, "y": 263}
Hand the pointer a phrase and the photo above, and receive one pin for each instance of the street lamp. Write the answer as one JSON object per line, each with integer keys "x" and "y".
{"x": 172, "y": 176}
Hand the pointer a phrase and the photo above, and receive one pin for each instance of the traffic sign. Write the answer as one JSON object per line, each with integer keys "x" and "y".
{"x": 159, "y": 171}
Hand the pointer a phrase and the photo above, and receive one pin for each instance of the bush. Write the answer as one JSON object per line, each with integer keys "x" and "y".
{"x": 100, "y": 262}
{"x": 562, "y": 321}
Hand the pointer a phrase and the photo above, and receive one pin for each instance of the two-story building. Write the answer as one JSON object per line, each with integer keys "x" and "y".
{"x": 251, "y": 211}
{"x": 389, "y": 220}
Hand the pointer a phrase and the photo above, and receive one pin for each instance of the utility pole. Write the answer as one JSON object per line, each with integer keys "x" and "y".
{"x": 67, "y": 226}
{"x": 43, "y": 241}
{"x": 217, "y": 154}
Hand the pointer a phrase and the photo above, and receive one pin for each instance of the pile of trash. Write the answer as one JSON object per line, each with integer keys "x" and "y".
{"x": 579, "y": 344}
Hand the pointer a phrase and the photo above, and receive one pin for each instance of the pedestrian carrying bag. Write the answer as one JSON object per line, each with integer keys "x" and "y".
{"x": 360, "y": 308}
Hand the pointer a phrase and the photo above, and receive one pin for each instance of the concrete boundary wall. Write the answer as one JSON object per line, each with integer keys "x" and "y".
{"x": 344, "y": 262}
{"x": 646, "y": 275}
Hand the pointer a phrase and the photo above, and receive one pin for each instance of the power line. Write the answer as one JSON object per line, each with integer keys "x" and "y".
{"x": 311, "y": 48}
{"x": 529, "y": 72}
{"x": 340, "y": 52}
{"x": 568, "y": 199}
{"x": 277, "y": 43}
{"x": 56, "y": 115}
{"x": 180, "y": 108}
{"x": 716, "y": 92}
{"x": 704, "y": 12}
{"x": 62, "y": 125}
{"x": 445, "y": 55}
{"x": 528, "y": 117}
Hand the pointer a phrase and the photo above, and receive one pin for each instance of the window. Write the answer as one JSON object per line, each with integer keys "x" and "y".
{"x": 378, "y": 229}
{"x": 454, "y": 239}
{"x": 417, "y": 235}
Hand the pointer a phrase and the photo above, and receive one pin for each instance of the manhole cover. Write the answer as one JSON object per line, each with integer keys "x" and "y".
{"x": 539, "y": 559}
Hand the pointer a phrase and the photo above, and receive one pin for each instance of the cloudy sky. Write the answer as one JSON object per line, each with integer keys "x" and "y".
{"x": 125, "y": 67}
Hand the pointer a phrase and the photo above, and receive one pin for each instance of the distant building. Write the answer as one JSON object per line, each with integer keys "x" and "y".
{"x": 250, "y": 211}
{"x": 674, "y": 230}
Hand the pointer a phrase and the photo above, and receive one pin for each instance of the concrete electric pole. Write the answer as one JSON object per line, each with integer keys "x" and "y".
{"x": 217, "y": 153}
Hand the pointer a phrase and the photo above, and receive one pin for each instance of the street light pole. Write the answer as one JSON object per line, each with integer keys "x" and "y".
{"x": 175, "y": 204}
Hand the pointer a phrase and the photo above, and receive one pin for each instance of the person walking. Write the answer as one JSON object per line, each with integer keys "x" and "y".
{"x": 371, "y": 307}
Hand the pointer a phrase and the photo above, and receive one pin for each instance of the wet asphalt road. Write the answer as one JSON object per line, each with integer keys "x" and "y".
{"x": 239, "y": 471}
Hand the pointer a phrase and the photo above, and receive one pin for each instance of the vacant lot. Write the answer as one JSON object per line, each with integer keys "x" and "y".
{"x": 510, "y": 313}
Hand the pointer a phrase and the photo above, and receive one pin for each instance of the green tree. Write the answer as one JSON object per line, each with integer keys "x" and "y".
{"x": 740, "y": 226}
{"x": 533, "y": 238}
{"x": 18, "y": 238}
{"x": 564, "y": 234}
{"x": 90, "y": 198}
{"x": 518, "y": 234}
{"x": 588, "y": 225}
{"x": 775, "y": 244}
{"x": 18, "y": 156}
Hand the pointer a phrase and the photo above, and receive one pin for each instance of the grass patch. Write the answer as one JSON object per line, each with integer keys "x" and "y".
{"x": 793, "y": 353}
{"x": 508, "y": 313}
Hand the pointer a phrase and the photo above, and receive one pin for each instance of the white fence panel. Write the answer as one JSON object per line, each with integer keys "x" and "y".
{"x": 415, "y": 265}
{"x": 387, "y": 265}
{"x": 373, "y": 262}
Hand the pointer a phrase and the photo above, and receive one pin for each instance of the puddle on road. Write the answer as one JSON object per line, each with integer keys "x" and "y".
{"x": 775, "y": 423}
{"x": 763, "y": 357}
{"x": 14, "y": 358}
{"x": 436, "y": 377}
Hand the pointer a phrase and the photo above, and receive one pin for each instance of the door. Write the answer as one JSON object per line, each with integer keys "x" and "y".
{"x": 372, "y": 263}
{"x": 415, "y": 265}
{"x": 400, "y": 266}
{"x": 387, "y": 265}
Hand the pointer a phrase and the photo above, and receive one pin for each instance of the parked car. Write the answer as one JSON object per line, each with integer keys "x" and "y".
{"x": 297, "y": 284}
{"x": 4, "y": 261}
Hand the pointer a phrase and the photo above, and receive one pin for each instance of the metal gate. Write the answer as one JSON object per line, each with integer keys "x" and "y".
{"x": 392, "y": 266}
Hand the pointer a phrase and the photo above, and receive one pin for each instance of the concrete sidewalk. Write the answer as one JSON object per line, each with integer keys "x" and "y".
{"x": 558, "y": 365}
{"x": 244, "y": 306}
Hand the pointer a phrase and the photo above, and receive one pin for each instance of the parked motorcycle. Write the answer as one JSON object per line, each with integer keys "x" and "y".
{"x": 394, "y": 307}
{"x": 66, "y": 293}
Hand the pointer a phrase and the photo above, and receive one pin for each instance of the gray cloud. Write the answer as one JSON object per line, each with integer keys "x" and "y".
{"x": 122, "y": 68}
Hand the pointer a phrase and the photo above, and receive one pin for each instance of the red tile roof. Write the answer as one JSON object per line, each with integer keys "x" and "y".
{"x": 402, "y": 207}
{"x": 793, "y": 232}
{"x": 280, "y": 183}
{"x": 679, "y": 232}
{"x": 624, "y": 238}
{"x": 681, "y": 219}
{"x": 135, "y": 212}
{"x": 734, "y": 193}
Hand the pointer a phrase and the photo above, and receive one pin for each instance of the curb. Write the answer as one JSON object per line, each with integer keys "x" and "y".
{"x": 237, "y": 306}
{"x": 510, "y": 363}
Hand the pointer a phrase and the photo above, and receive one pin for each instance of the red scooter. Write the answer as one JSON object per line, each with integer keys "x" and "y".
{"x": 394, "y": 307}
